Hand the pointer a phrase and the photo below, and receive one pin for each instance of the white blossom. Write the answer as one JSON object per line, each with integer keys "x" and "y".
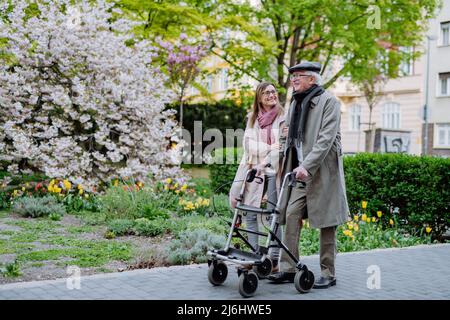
{"x": 76, "y": 101}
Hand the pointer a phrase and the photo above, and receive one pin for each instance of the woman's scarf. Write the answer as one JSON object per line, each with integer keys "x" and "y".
{"x": 265, "y": 121}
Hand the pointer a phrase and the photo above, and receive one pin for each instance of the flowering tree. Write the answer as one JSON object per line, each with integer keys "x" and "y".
{"x": 76, "y": 101}
{"x": 182, "y": 61}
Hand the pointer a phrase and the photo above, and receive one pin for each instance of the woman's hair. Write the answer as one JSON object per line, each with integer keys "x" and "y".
{"x": 257, "y": 102}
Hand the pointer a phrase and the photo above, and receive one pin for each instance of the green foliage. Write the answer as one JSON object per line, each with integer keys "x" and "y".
{"x": 221, "y": 206}
{"x": 150, "y": 228}
{"x": 293, "y": 31}
{"x": 76, "y": 203}
{"x": 418, "y": 186}
{"x": 154, "y": 210}
{"x": 223, "y": 169}
{"x": 192, "y": 246}
{"x": 83, "y": 253}
{"x": 118, "y": 203}
{"x": 11, "y": 270}
{"x": 366, "y": 236}
{"x": 54, "y": 216}
{"x": 202, "y": 186}
{"x": 121, "y": 227}
{"x": 4, "y": 200}
{"x": 38, "y": 207}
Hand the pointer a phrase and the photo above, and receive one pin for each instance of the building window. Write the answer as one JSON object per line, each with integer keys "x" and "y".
{"x": 391, "y": 115}
{"x": 406, "y": 66}
{"x": 444, "y": 84}
{"x": 354, "y": 117}
{"x": 442, "y": 135}
{"x": 224, "y": 79}
{"x": 445, "y": 33}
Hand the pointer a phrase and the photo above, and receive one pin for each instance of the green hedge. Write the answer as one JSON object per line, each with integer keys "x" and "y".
{"x": 224, "y": 167}
{"x": 418, "y": 186}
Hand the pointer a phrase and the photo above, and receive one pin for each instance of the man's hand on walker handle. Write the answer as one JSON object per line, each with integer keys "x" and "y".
{"x": 301, "y": 173}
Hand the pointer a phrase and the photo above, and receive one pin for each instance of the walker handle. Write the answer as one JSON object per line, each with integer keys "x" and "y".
{"x": 252, "y": 175}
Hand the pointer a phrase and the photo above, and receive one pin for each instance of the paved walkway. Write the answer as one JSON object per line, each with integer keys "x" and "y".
{"x": 420, "y": 272}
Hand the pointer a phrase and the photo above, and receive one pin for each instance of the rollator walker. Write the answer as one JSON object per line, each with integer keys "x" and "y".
{"x": 256, "y": 263}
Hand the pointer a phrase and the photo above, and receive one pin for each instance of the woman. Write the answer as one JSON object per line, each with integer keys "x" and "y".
{"x": 261, "y": 147}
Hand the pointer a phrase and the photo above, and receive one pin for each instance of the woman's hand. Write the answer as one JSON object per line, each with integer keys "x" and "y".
{"x": 234, "y": 203}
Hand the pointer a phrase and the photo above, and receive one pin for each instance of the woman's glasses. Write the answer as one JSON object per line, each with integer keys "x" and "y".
{"x": 268, "y": 93}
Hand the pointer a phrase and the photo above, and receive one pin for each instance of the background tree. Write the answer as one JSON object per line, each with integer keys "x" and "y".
{"x": 181, "y": 61}
{"x": 262, "y": 40}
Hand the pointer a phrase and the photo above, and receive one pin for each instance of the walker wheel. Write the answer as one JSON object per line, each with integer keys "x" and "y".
{"x": 304, "y": 281}
{"x": 217, "y": 273}
{"x": 264, "y": 269}
{"x": 248, "y": 283}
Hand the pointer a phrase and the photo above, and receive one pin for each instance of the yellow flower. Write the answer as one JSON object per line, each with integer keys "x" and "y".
{"x": 184, "y": 187}
{"x": 356, "y": 217}
{"x": 348, "y": 233}
{"x": 23, "y": 189}
{"x": 50, "y": 187}
{"x": 86, "y": 195}
{"x": 350, "y": 225}
{"x": 52, "y": 182}
{"x": 177, "y": 191}
{"x": 428, "y": 229}
{"x": 80, "y": 187}
{"x": 364, "y": 217}
{"x": 168, "y": 181}
{"x": 81, "y": 191}
{"x": 15, "y": 192}
{"x": 391, "y": 222}
{"x": 67, "y": 184}
{"x": 140, "y": 184}
{"x": 116, "y": 183}
{"x": 57, "y": 189}
{"x": 368, "y": 220}
{"x": 27, "y": 184}
{"x": 176, "y": 185}
{"x": 364, "y": 204}
{"x": 205, "y": 202}
{"x": 356, "y": 227}
{"x": 166, "y": 188}
{"x": 373, "y": 219}
{"x": 379, "y": 214}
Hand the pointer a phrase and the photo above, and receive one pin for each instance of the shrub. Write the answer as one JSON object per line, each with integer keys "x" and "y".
{"x": 223, "y": 170}
{"x": 154, "y": 210}
{"x": 38, "y": 207}
{"x": 11, "y": 270}
{"x": 121, "y": 227}
{"x": 150, "y": 228}
{"x": 76, "y": 203}
{"x": 192, "y": 246}
{"x": 418, "y": 186}
{"x": 118, "y": 203}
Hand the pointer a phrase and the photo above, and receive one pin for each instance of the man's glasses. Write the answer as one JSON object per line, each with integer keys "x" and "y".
{"x": 296, "y": 76}
{"x": 268, "y": 93}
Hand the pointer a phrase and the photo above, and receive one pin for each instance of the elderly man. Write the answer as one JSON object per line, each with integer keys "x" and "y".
{"x": 312, "y": 149}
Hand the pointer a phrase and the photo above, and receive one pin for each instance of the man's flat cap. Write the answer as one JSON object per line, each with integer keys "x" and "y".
{"x": 306, "y": 66}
